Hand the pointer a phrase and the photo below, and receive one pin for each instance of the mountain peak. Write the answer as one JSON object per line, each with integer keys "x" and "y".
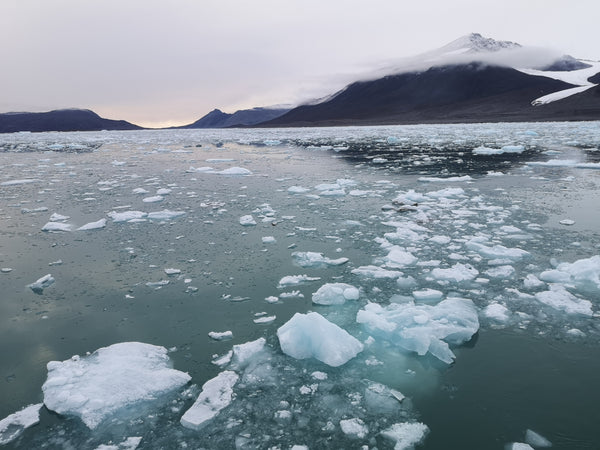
{"x": 476, "y": 43}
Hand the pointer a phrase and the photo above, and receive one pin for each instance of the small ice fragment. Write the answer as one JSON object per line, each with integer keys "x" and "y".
{"x": 157, "y": 284}
{"x": 562, "y": 300}
{"x": 247, "y": 221}
{"x": 335, "y": 294}
{"x": 41, "y": 284}
{"x": 532, "y": 282}
{"x": 376, "y": 272}
{"x": 93, "y": 225}
{"x": 318, "y": 375}
{"x": 111, "y": 379}
{"x": 297, "y": 190}
{"x": 311, "y": 335}
{"x": 217, "y": 394}
{"x": 13, "y": 425}
{"x": 457, "y": 273}
{"x": 126, "y": 216}
{"x": 235, "y": 171}
{"x": 271, "y": 299}
{"x": 406, "y": 435}
{"x": 153, "y": 199}
{"x": 57, "y": 226}
{"x": 265, "y": 319}
{"x": 140, "y": 191}
{"x": 519, "y": 446}
{"x": 567, "y": 222}
{"x": 496, "y": 312}
{"x": 220, "y": 336}
{"x": 316, "y": 260}
{"x": 354, "y": 428}
{"x": 131, "y": 443}
{"x": 294, "y": 280}
{"x": 58, "y": 218}
{"x": 500, "y": 272}
{"x": 244, "y": 354}
{"x": 268, "y": 240}
{"x": 163, "y": 191}
{"x": 6, "y": 270}
{"x": 165, "y": 214}
{"x": 536, "y": 440}
{"x": 171, "y": 271}
{"x": 497, "y": 251}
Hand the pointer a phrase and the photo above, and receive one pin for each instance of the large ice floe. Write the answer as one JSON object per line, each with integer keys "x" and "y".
{"x": 97, "y": 386}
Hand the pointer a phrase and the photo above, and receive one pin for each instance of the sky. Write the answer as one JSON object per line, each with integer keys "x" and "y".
{"x": 169, "y": 62}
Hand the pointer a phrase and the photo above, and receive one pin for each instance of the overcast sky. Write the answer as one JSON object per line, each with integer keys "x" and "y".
{"x": 164, "y": 62}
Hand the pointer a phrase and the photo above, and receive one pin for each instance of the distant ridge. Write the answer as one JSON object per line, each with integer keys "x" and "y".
{"x": 60, "y": 120}
{"x": 242, "y": 118}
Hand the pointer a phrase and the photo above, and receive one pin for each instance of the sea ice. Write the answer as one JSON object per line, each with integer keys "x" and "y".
{"x": 165, "y": 214}
{"x": 335, "y": 294}
{"x": 376, "y": 272}
{"x": 153, "y": 199}
{"x": 268, "y": 240}
{"x": 496, "y": 251}
{"x": 427, "y": 295}
{"x": 496, "y": 312}
{"x": 583, "y": 273}
{"x": 247, "y": 220}
{"x": 41, "y": 284}
{"x": 244, "y": 354}
{"x": 99, "y": 224}
{"x": 457, "y": 273}
{"x": 220, "y": 336}
{"x": 398, "y": 258}
{"x": 311, "y": 335}
{"x": 354, "y": 428}
{"x": 498, "y": 151}
{"x": 13, "y": 425}
{"x": 235, "y": 171}
{"x": 294, "y": 280}
{"x": 58, "y": 218}
{"x": 316, "y": 260}
{"x": 57, "y": 226}
{"x": 423, "y": 328}
{"x": 561, "y": 299}
{"x": 126, "y": 216}
{"x": 97, "y": 386}
{"x": 298, "y": 190}
{"x": 519, "y": 446}
{"x": 217, "y": 394}
{"x": 406, "y": 435}
{"x": 171, "y": 271}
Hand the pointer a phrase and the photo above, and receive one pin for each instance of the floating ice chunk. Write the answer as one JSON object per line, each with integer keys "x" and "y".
{"x": 246, "y": 353}
{"x": 354, "y": 428}
{"x": 500, "y": 272}
{"x": 41, "y": 284}
{"x": 519, "y": 446}
{"x": 165, "y": 214}
{"x": 312, "y": 336}
{"x": 440, "y": 239}
{"x": 153, "y": 199}
{"x": 294, "y": 280}
{"x": 97, "y": 386}
{"x": 536, "y": 440}
{"x": 564, "y": 163}
{"x": 457, "y": 273}
{"x": 427, "y": 295}
{"x": 298, "y": 190}
{"x": 406, "y": 435}
{"x": 17, "y": 182}
{"x": 498, "y": 151}
{"x": 335, "y": 294}
{"x": 423, "y": 328}
{"x": 220, "y": 336}
{"x": 235, "y": 171}
{"x": 398, "y": 258}
{"x": 316, "y": 260}
{"x": 265, "y": 319}
{"x": 583, "y": 273}
{"x": 131, "y": 443}
{"x": 448, "y": 179}
{"x": 157, "y": 284}
{"x": 13, "y": 425}
{"x": 561, "y": 299}
{"x": 496, "y": 312}
{"x": 247, "y": 221}
{"x": 99, "y": 224}
{"x": 140, "y": 191}
{"x": 268, "y": 240}
{"x": 379, "y": 160}
{"x": 57, "y": 226}
{"x": 216, "y": 395}
{"x": 58, "y": 218}
{"x": 164, "y": 191}
{"x": 532, "y": 282}
{"x": 201, "y": 169}
{"x": 376, "y": 272}
{"x": 496, "y": 251}
{"x": 291, "y": 294}
{"x": 126, "y": 216}
{"x": 171, "y": 271}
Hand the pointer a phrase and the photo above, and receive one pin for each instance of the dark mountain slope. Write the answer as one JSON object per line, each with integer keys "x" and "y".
{"x": 245, "y": 117}
{"x": 472, "y": 93}
{"x": 61, "y": 120}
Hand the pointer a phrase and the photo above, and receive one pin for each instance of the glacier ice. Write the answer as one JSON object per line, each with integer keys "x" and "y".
{"x": 536, "y": 440}
{"x": 459, "y": 272}
{"x": 583, "y": 273}
{"x": 216, "y": 394}
{"x": 423, "y": 328}
{"x": 247, "y": 220}
{"x": 39, "y": 285}
{"x": 559, "y": 298}
{"x": 112, "y": 378}
{"x": 316, "y": 260}
{"x": 99, "y": 224}
{"x": 354, "y": 428}
{"x": 406, "y": 435}
{"x": 312, "y": 336}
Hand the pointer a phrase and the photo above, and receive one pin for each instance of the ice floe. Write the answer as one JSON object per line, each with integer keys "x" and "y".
{"x": 39, "y": 285}
{"x": 406, "y": 435}
{"x": 312, "y": 336}
{"x": 99, "y": 224}
{"x": 111, "y": 379}
{"x": 13, "y": 425}
{"x": 335, "y": 294}
{"x": 316, "y": 260}
{"x": 423, "y": 328}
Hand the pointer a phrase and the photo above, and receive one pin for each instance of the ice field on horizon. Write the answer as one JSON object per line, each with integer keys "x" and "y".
{"x": 280, "y": 288}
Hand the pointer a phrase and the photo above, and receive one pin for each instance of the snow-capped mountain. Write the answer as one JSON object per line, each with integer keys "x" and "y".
{"x": 472, "y": 79}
